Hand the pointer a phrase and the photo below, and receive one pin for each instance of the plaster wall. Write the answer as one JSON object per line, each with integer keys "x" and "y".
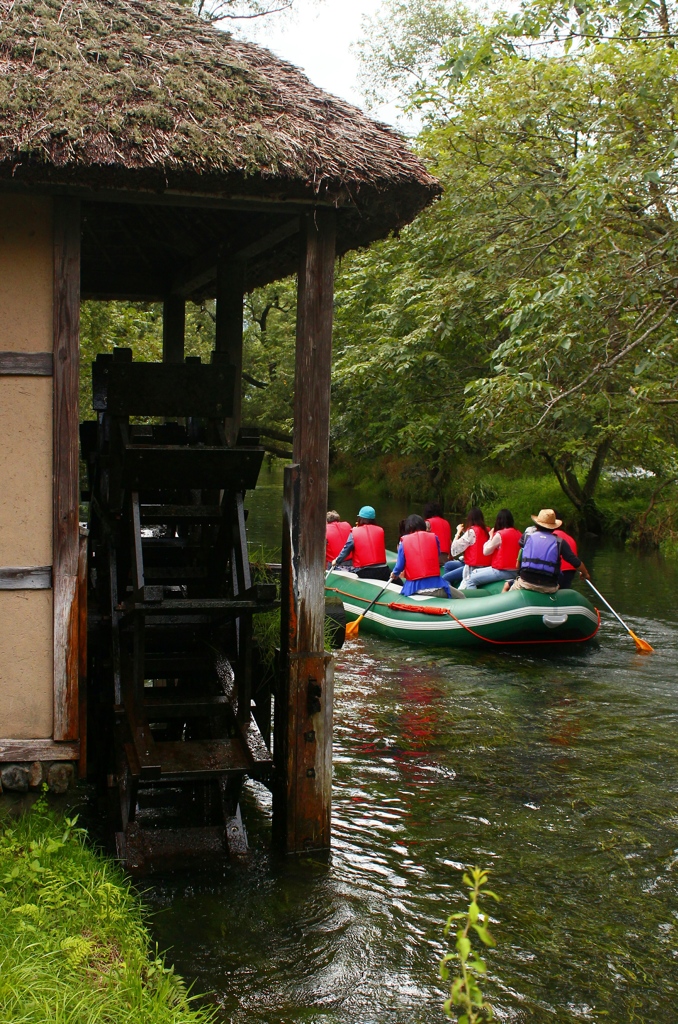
{"x": 26, "y": 626}
{"x": 25, "y": 274}
{"x": 25, "y": 471}
{"x": 26, "y": 659}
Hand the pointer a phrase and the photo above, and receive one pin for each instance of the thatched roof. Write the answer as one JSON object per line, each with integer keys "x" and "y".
{"x": 141, "y": 94}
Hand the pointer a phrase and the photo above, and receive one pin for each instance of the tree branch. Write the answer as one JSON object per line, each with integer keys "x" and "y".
{"x": 606, "y": 364}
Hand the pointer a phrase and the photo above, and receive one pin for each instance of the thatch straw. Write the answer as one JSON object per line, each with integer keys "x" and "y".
{"x": 141, "y": 93}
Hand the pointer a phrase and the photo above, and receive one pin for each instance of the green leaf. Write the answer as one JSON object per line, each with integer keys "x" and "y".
{"x": 463, "y": 946}
{"x": 484, "y": 935}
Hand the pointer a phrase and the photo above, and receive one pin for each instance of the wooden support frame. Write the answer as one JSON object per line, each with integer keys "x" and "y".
{"x": 173, "y": 329}
{"x": 65, "y": 536}
{"x": 303, "y": 795}
{"x": 229, "y": 333}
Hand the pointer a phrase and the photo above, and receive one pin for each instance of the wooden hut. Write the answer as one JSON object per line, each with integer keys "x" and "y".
{"x": 145, "y": 155}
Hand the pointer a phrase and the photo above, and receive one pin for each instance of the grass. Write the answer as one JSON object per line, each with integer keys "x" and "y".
{"x": 525, "y": 490}
{"x": 74, "y": 946}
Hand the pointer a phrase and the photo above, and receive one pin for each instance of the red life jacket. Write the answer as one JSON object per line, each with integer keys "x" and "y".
{"x": 506, "y": 555}
{"x": 443, "y": 532}
{"x": 473, "y": 556}
{"x": 337, "y": 535}
{"x": 421, "y": 555}
{"x": 564, "y": 566}
{"x": 369, "y": 547}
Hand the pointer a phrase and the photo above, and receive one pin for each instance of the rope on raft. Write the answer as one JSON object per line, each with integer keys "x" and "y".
{"x": 397, "y": 607}
{"x": 446, "y": 611}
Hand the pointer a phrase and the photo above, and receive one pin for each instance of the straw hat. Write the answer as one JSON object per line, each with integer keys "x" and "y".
{"x": 547, "y": 519}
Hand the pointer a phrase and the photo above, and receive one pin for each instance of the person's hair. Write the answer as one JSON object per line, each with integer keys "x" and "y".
{"x": 504, "y": 519}
{"x": 434, "y": 508}
{"x": 413, "y": 524}
{"x": 475, "y": 517}
{"x": 333, "y": 517}
{"x": 401, "y": 528}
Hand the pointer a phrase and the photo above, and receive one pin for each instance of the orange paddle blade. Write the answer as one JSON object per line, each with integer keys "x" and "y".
{"x": 353, "y": 628}
{"x": 641, "y": 645}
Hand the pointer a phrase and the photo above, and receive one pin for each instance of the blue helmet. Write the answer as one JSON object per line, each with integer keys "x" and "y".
{"x": 367, "y": 512}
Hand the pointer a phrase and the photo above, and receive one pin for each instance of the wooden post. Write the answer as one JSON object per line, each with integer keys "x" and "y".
{"x": 303, "y": 800}
{"x": 228, "y": 334}
{"x": 66, "y": 539}
{"x": 173, "y": 329}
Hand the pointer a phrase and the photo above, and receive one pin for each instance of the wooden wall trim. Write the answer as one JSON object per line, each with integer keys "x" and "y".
{"x": 66, "y": 537}
{"x": 26, "y": 364}
{"x": 38, "y": 750}
{"x": 32, "y": 577}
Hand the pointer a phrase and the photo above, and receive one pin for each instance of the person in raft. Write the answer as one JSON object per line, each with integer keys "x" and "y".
{"x": 469, "y": 541}
{"x": 567, "y": 571}
{"x": 367, "y": 547}
{"x": 419, "y": 556}
{"x": 433, "y": 514}
{"x": 503, "y": 547}
{"x": 541, "y": 556}
{"x": 336, "y": 535}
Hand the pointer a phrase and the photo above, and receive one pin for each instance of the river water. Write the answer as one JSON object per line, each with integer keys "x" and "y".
{"x": 559, "y": 772}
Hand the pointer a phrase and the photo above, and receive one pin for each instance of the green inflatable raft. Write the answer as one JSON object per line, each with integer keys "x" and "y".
{"x": 484, "y": 618}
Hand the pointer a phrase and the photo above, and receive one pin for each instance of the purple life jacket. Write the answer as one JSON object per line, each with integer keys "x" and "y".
{"x": 541, "y": 553}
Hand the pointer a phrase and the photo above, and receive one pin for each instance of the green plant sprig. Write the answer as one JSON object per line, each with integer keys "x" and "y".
{"x": 466, "y": 999}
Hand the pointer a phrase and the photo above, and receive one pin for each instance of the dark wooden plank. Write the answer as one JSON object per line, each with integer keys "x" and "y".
{"x": 162, "y": 389}
{"x": 150, "y": 467}
{"x": 157, "y": 708}
{"x": 198, "y": 604}
{"x": 173, "y": 329}
{"x": 65, "y": 535}
{"x": 202, "y": 759}
{"x": 137, "y": 553}
{"x": 302, "y": 806}
{"x": 174, "y": 513}
{"x": 26, "y": 364}
{"x": 38, "y": 750}
{"x": 34, "y": 577}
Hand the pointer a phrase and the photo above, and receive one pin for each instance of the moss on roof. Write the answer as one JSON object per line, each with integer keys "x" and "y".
{"x": 121, "y": 91}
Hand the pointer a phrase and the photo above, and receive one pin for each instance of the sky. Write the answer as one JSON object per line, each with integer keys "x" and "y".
{"x": 317, "y": 37}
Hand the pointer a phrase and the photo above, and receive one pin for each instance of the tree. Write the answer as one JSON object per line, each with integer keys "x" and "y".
{"x": 545, "y": 279}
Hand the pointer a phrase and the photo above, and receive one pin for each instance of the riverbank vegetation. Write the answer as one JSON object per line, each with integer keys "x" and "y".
{"x": 526, "y": 324}
{"x": 74, "y": 946}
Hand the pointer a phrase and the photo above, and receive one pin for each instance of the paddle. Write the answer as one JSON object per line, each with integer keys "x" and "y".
{"x": 352, "y": 628}
{"x": 641, "y": 645}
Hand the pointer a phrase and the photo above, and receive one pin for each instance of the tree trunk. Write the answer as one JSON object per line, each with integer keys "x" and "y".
{"x": 582, "y": 496}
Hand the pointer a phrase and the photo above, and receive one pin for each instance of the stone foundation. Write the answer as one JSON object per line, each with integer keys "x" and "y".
{"x": 25, "y": 775}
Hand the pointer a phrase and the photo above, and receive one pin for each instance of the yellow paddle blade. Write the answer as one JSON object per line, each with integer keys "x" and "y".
{"x": 641, "y": 645}
{"x": 353, "y": 628}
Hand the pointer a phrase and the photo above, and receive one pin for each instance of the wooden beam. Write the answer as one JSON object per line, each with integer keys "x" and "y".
{"x": 26, "y": 364}
{"x": 302, "y": 807}
{"x": 203, "y": 271}
{"x": 34, "y": 577}
{"x": 65, "y": 539}
{"x": 173, "y": 329}
{"x": 38, "y": 750}
{"x": 228, "y": 333}
{"x": 175, "y": 197}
